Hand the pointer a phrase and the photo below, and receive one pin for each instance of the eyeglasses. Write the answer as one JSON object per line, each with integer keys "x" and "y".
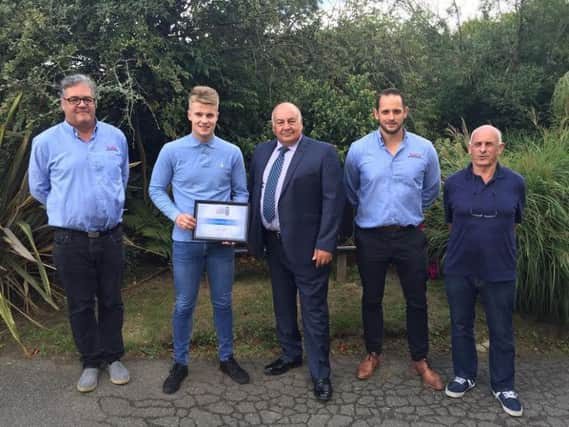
{"x": 484, "y": 213}
{"x": 76, "y": 100}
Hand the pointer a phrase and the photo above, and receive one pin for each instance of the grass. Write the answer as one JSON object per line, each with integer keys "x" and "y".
{"x": 148, "y": 307}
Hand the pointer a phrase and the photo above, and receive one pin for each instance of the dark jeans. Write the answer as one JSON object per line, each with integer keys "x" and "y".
{"x": 91, "y": 269}
{"x": 406, "y": 249}
{"x": 498, "y": 301}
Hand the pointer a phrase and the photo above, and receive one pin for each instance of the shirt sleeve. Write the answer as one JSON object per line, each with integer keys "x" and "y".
{"x": 239, "y": 191}
{"x": 432, "y": 181}
{"x": 446, "y": 202}
{"x": 351, "y": 178}
{"x": 125, "y": 162}
{"x": 38, "y": 172}
{"x": 521, "y": 203}
{"x": 160, "y": 180}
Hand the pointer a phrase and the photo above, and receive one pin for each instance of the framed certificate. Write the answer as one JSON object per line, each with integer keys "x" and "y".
{"x": 221, "y": 221}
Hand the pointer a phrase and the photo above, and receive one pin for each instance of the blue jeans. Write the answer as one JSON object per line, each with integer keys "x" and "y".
{"x": 189, "y": 260}
{"x": 498, "y": 301}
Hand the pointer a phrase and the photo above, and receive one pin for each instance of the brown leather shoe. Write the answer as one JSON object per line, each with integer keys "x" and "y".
{"x": 429, "y": 376}
{"x": 368, "y": 366}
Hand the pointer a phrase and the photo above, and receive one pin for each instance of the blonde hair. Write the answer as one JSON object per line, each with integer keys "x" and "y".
{"x": 203, "y": 95}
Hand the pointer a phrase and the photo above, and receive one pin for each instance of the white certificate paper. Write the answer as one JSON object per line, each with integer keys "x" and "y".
{"x": 221, "y": 221}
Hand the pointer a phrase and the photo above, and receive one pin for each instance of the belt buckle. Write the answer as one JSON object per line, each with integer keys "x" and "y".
{"x": 93, "y": 234}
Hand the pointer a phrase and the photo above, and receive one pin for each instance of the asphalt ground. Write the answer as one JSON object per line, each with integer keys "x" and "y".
{"x": 41, "y": 392}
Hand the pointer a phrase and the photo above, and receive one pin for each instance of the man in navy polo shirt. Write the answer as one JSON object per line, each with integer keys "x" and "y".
{"x": 483, "y": 203}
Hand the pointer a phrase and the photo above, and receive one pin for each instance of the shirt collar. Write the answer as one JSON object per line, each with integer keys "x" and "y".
{"x": 382, "y": 143}
{"x": 194, "y": 142}
{"x": 292, "y": 147}
{"x": 68, "y": 128}
{"x": 498, "y": 173}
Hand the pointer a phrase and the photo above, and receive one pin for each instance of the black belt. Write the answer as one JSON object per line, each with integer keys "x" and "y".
{"x": 90, "y": 234}
{"x": 394, "y": 227}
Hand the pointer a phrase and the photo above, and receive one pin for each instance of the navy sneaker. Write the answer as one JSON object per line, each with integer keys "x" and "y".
{"x": 510, "y": 402}
{"x": 459, "y": 386}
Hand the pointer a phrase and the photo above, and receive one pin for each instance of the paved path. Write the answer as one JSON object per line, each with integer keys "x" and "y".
{"x": 42, "y": 393}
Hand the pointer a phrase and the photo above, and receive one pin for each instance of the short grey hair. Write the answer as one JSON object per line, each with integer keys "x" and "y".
{"x": 495, "y": 129}
{"x": 74, "y": 80}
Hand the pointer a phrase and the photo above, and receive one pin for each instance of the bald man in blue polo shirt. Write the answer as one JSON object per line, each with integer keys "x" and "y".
{"x": 483, "y": 203}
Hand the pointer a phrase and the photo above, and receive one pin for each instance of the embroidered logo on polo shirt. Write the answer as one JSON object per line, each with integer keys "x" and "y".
{"x": 415, "y": 155}
{"x": 112, "y": 148}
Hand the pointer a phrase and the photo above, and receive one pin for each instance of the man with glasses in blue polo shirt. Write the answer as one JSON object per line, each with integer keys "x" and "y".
{"x": 79, "y": 171}
{"x": 199, "y": 166}
{"x": 483, "y": 203}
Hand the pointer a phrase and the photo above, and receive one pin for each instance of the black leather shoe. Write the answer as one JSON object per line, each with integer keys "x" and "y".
{"x": 280, "y": 366}
{"x": 323, "y": 389}
{"x": 174, "y": 380}
{"x": 234, "y": 371}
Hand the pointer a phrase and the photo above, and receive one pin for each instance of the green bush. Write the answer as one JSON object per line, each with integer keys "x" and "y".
{"x": 24, "y": 238}
{"x": 560, "y": 100}
{"x": 543, "y": 237}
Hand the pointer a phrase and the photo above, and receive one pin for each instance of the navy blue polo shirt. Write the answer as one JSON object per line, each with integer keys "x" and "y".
{"x": 482, "y": 241}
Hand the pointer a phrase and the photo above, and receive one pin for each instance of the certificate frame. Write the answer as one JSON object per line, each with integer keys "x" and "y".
{"x": 221, "y": 221}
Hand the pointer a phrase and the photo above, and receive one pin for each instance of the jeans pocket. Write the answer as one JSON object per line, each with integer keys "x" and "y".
{"x": 61, "y": 238}
{"x": 117, "y": 237}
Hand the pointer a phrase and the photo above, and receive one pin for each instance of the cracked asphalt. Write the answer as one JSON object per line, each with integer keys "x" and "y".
{"x": 41, "y": 392}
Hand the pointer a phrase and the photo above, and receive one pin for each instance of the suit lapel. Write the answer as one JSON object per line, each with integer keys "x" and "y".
{"x": 296, "y": 159}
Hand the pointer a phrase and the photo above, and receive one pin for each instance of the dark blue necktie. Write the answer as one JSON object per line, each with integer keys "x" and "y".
{"x": 271, "y": 186}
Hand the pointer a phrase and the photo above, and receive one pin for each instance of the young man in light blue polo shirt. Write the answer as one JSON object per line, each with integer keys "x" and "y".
{"x": 199, "y": 166}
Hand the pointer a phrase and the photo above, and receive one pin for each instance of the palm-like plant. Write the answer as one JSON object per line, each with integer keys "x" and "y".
{"x": 23, "y": 236}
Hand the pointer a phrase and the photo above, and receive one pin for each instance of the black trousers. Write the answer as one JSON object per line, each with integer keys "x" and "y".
{"x": 91, "y": 269}
{"x": 311, "y": 285}
{"x": 406, "y": 249}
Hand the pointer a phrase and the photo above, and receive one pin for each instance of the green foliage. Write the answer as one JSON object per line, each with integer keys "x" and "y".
{"x": 339, "y": 113}
{"x": 23, "y": 272}
{"x": 148, "y": 230}
{"x": 560, "y": 100}
{"x": 543, "y": 238}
